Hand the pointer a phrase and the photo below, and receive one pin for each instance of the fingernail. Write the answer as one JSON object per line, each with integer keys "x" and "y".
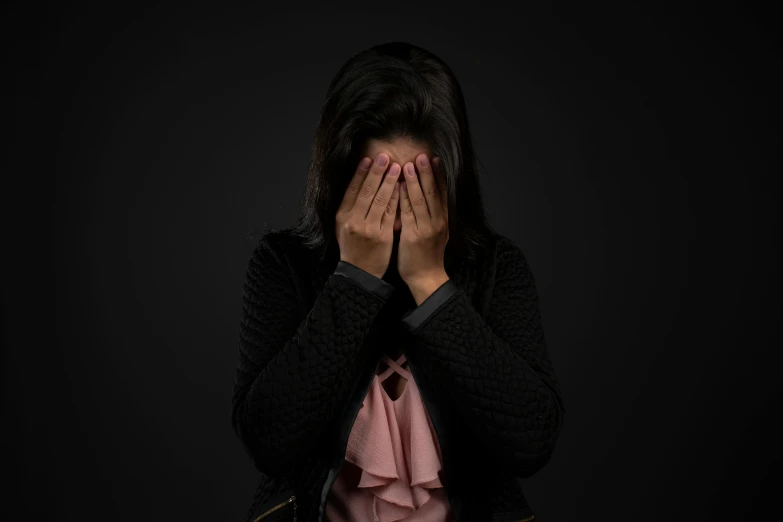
{"x": 382, "y": 159}
{"x": 365, "y": 164}
{"x": 423, "y": 162}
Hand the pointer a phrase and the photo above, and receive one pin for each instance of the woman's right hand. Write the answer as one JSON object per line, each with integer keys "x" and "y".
{"x": 365, "y": 219}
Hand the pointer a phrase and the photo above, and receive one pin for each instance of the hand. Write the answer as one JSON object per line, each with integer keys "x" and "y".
{"x": 425, "y": 228}
{"x": 364, "y": 222}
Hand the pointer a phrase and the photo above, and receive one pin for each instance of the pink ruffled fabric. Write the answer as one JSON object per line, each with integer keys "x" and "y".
{"x": 393, "y": 461}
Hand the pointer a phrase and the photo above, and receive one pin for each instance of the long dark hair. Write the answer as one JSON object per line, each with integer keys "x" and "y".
{"x": 393, "y": 90}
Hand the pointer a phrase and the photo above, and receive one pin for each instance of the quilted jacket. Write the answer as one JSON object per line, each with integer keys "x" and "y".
{"x": 312, "y": 335}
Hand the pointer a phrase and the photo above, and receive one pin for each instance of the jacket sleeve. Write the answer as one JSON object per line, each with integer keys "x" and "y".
{"x": 496, "y": 373}
{"x": 291, "y": 375}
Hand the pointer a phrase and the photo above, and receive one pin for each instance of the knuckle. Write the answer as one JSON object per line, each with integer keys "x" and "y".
{"x": 380, "y": 201}
{"x": 370, "y": 233}
{"x": 358, "y": 227}
{"x": 367, "y": 191}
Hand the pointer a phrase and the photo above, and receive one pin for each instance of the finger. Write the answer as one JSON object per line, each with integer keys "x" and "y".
{"x": 370, "y": 186}
{"x": 349, "y": 198}
{"x": 380, "y": 202}
{"x": 407, "y": 216}
{"x": 443, "y": 189}
{"x": 415, "y": 194}
{"x": 391, "y": 209}
{"x": 428, "y": 185}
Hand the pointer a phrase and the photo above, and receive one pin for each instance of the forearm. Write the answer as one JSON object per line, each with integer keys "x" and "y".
{"x": 494, "y": 371}
{"x": 286, "y": 398}
{"x": 506, "y": 399}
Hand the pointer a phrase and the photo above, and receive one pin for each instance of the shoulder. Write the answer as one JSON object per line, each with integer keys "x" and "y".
{"x": 280, "y": 244}
{"x": 497, "y": 257}
{"x": 512, "y": 266}
{"x": 285, "y": 255}
{"x": 270, "y": 257}
{"x": 508, "y": 253}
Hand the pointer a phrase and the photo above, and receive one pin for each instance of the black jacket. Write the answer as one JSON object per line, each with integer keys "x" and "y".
{"x": 312, "y": 336}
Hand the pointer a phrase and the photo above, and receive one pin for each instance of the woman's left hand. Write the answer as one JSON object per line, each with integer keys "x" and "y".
{"x": 425, "y": 228}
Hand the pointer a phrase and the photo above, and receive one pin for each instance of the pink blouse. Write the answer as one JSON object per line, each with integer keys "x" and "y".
{"x": 392, "y": 462}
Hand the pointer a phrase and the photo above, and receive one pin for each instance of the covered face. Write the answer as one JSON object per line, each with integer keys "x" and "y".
{"x": 400, "y": 151}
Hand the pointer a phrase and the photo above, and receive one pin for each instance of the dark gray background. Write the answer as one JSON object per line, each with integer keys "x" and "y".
{"x": 629, "y": 152}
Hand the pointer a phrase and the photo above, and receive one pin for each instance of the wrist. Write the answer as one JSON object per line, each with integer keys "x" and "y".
{"x": 423, "y": 287}
{"x": 369, "y": 270}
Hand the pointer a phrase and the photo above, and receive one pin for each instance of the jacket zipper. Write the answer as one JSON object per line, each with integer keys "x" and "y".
{"x": 330, "y": 482}
{"x": 434, "y": 425}
{"x": 284, "y": 503}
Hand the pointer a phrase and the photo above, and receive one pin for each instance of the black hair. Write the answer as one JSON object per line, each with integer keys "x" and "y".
{"x": 393, "y": 90}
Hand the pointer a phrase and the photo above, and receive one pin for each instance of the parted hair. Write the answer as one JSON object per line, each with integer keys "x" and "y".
{"x": 393, "y": 90}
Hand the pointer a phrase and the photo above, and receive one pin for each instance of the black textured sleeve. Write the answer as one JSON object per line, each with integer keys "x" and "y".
{"x": 291, "y": 374}
{"x": 496, "y": 372}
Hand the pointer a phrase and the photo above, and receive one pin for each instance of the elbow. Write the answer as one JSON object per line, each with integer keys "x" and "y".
{"x": 528, "y": 465}
{"x": 266, "y": 457}
{"x": 537, "y": 453}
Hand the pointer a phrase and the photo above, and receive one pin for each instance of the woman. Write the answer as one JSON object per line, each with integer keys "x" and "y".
{"x": 392, "y": 362}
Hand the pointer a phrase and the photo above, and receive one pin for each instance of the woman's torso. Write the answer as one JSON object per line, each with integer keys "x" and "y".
{"x": 393, "y": 463}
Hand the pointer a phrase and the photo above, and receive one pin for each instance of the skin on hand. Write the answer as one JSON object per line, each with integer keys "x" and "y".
{"x": 421, "y": 224}
{"x": 364, "y": 221}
